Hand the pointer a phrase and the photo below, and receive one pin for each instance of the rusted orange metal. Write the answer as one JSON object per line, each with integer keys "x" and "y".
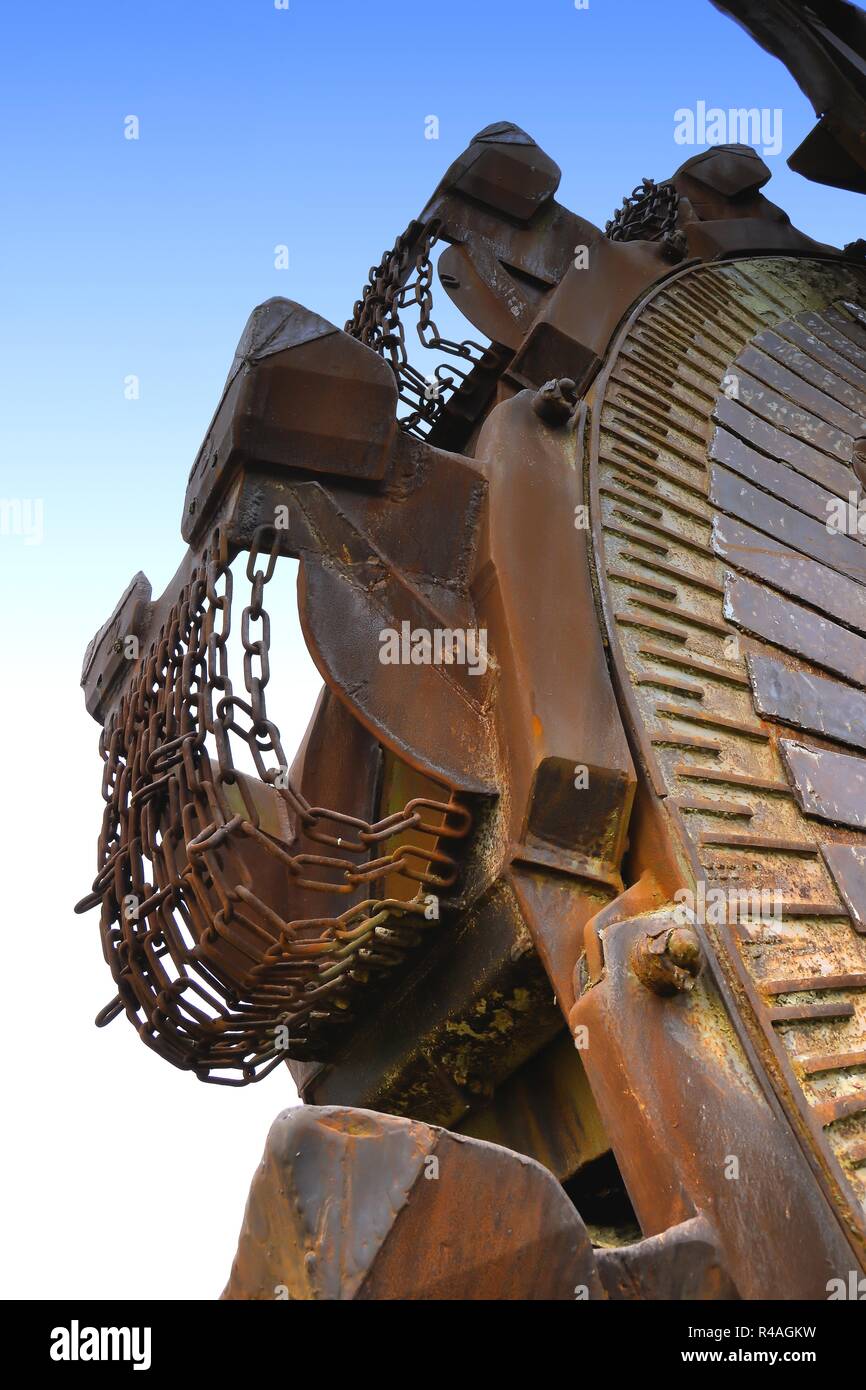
{"x": 559, "y": 908}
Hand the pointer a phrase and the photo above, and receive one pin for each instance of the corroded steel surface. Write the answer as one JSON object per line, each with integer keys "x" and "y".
{"x": 594, "y": 663}
{"x": 712, "y": 351}
{"x": 197, "y": 858}
{"x": 823, "y": 44}
{"x": 349, "y": 1204}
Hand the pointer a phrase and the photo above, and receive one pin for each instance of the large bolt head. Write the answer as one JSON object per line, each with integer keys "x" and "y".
{"x": 668, "y": 960}
{"x": 554, "y": 402}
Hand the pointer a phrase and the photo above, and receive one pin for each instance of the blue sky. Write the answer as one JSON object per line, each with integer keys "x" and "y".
{"x": 302, "y": 127}
{"x": 258, "y": 127}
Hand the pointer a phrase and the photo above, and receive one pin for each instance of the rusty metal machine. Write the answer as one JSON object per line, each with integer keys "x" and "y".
{"x": 558, "y": 914}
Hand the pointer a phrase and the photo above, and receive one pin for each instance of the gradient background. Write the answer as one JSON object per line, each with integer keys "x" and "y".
{"x": 258, "y": 127}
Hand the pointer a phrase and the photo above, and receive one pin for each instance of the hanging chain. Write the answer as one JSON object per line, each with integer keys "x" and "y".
{"x": 649, "y": 213}
{"x": 194, "y": 860}
{"x": 376, "y": 321}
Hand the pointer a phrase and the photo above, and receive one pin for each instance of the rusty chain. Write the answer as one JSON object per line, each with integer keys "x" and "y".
{"x": 210, "y": 973}
{"x": 376, "y": 322}
{"x": 649, "y": 213}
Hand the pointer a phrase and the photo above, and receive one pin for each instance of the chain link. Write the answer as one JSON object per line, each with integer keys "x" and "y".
{"x": 376, "y": 321}
{"x": 649, "y": 213}
{"x": 205, "y": 967}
